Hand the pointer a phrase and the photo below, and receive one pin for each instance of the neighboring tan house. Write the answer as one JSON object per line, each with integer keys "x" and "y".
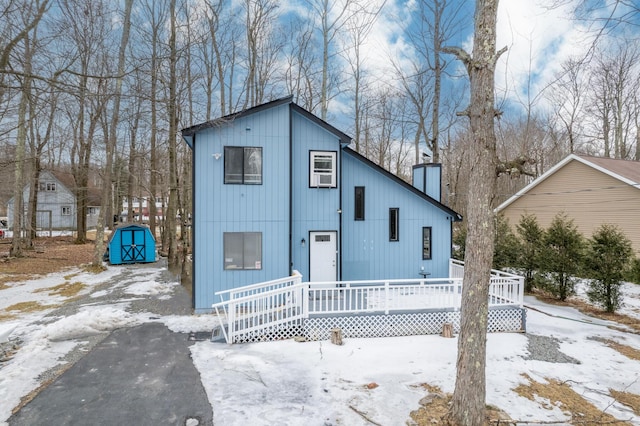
{"x": 57, "y": 206}
{"x": 590, "y": 190}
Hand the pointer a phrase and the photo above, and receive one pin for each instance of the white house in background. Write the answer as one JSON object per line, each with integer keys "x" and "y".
{"x": 140, "y": 205}
{"x": 57, "y": 205}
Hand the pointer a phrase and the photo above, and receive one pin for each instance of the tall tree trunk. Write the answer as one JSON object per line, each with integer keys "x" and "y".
{"x": 468, "y": 406}
{"x": 153, "y": 176}
{"x": 111, "y": 140}
{"x": 21, "y": 142}
{"x": 172, "y": 208}
{"x": 437, "y": 85}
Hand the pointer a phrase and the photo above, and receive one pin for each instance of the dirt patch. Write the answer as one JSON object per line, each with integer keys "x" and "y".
{"x": 560, "y": 394}
{"x": 434, "y": 409}
{"x": 49, "y": 255}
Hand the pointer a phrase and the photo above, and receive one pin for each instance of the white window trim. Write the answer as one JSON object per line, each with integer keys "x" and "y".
{"x": 315, "y": 175}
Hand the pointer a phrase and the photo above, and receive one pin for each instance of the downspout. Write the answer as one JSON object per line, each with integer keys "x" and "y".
{"x": 193, "y": 222}
{"x": 290, "y": 190}
{"x": 340, "y": 214}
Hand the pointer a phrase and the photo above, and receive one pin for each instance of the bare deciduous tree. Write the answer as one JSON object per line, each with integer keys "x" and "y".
{"x": 111, "y": 138}
{"x": 468, "y": 405}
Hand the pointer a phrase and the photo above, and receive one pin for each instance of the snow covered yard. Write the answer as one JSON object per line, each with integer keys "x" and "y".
{"x": 316, "y": 383}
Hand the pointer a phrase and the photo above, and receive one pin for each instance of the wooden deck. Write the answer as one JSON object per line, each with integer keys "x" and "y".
{"x": 289, "y": 307}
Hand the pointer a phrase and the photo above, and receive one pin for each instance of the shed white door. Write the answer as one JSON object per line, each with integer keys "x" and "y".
{"x": 323, "y": 256}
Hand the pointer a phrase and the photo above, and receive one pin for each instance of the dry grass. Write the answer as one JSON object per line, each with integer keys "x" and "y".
{"x": 561, "y": 395}
{"x": 591, "y": 310}
{"x": 52, "y": 255}
{"x": 30, "y": 306}
{"x": 435, "y": 409}
{"x": 628, "y": 351}
{"x": 631, "y": 400}
{"x": 67, "y": 289}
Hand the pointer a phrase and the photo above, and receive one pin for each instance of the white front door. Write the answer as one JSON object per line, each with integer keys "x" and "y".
{"x": 323, "y": 254}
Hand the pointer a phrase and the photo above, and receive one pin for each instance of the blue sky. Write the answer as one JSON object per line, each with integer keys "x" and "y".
{"x": 539, "y": 39}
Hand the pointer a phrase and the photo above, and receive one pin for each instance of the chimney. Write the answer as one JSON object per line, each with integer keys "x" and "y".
{"x": 426, "y": 177}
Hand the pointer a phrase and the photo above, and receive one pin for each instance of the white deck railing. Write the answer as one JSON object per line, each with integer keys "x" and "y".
{"x": 288, "y": 301}
{"x": 255, "y": 307}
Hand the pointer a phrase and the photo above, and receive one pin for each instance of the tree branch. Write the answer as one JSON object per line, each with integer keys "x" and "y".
{"x": 459, "y": 53}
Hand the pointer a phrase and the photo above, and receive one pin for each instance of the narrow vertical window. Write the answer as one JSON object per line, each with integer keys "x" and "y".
{"x": 394, "y": 215}
{"x": 426, "y": 243}
{"x": 359, "y": 203}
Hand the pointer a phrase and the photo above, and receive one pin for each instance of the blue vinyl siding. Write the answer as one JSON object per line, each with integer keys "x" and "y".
{"x": 223, "y": 208}
{"x": 314, "y": 209}
{"x": 367, "y": 252}
{"x": 285, "y": 209}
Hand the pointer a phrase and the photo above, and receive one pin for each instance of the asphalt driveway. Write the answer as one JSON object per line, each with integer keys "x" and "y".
{"x": 142, "y": 375}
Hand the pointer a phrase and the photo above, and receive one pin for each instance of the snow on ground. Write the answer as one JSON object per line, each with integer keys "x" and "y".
{"x": 316, "y": 383}
{"x": 291, "y": 383}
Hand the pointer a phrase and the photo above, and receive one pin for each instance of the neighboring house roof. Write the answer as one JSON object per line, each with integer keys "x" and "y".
{"x": 626, "y": 171}
{"x": 94, "y": 195}
{"x": 188, "y": 132}
{"x": 66, "y": 179}
{"x": 456, "y": 216}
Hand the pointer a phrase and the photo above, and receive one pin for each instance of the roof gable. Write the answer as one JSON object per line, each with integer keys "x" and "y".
{"x": 626, "y": 171}
{"x": 456, "y": 216}
{"x": 188, "y": 132}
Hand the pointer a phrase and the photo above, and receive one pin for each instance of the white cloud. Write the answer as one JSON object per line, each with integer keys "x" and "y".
{"x": 539, "y": 39}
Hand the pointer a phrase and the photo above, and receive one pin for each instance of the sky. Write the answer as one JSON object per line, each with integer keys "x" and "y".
{"x": 539, "y": 38}
{"x": 317, "y": 383}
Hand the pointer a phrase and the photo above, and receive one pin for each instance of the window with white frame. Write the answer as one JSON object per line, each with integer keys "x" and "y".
{"x": 47, "y": 186}
{"x": 243, "y": 165}
{"x": 322, "y": 167}
{"x": 242, "y": 250}
{"x": 65, "y": 210}
{"x": 92, "y": 211}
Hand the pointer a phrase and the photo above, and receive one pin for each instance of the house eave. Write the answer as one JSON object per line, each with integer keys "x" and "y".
{"x": 553, "y": 170}
{"x": 221, "y": 121}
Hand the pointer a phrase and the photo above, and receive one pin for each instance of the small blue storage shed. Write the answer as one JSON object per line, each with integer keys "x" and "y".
{"x": 131, "y": 244}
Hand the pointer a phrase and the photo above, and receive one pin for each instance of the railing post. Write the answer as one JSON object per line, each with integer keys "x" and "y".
{"x": 521, "y": 291}
{"x": 232, "y": 321}
{"x": 305, "y": 300}
{"x": 387, "y": 296}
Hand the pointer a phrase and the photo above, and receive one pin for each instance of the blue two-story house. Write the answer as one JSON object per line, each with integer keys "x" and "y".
{"x": 276, "y": 189}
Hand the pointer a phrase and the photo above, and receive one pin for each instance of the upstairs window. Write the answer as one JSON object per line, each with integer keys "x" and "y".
{"x": 322, "y": 169}
{"x": 243, "y": 165}
{"x": 394, "y": 216}
{"x": 47, "y": 186}
{"x": 65, "y": 210}
{"x": 426, "y": 243}
{"x": 359, "y": 203}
